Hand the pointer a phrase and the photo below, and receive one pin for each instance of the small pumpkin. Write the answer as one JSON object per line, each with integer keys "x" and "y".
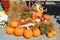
{"x": 47, "y": 17}
{"x": 53, "y": 31}
{"x": 9, "y": 30}
{"x": 49, "y": 35}
{"x": 37, "y": 15}
{"x": 14, "y": 24}
{"x": 28, "y": 34}
{"x": 19, "y": 31}
{"x": 36, "y": 32}
{"x": 22, "y": 21}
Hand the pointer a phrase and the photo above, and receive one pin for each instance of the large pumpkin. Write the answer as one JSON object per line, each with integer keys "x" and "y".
{"x": 19, "y": 31}
{"x": 14, "y": 24}
{"x": 28, "y": 34}
{"x": 49, "y": 35}
{"x": 9, "y": 30}
{"x": 36, "y": 32}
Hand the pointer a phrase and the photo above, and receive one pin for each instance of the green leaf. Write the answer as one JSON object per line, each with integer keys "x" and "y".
{"x": 44, "y": 30}
{"x": 25, "y": 15}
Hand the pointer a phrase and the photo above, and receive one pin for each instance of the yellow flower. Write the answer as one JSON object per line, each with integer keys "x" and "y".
{"x": 2, "y": 12}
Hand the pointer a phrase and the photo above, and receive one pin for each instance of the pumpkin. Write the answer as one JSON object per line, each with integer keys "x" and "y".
{"x": 14, "y": 24}
{"x": 46, "y": 17}
{"x": 36, "y": 15}
{"x": 22, "y": 21}
{"x": 36, "y": 32}
{"x": 9, "y": 30}
{"x": 19, "y": 31}
{"x": 49, "y": 35}
{"x": 28, "y": 34}
{"x": 53, "y": 31}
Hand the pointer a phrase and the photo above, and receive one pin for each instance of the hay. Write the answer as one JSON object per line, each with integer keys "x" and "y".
{"x": 15, "y": 10}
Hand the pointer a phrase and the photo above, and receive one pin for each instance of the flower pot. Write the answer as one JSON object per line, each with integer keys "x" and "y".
{"x": 5, "y": 4}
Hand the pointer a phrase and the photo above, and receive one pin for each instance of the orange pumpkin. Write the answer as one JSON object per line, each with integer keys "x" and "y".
{"x": 36, "y": 32}
{"x": 49, "y": 35}
{"x": 9, "y": 30}
{"x": 14, "y": 24}
{"x": 46, "y": 17}
{"x": 53, "y": 31}
{"x": 28, "y": 34}
{"x": 19, "y": 31}
{"x": 37, "y": 14}
{"x": 22, "y": 21}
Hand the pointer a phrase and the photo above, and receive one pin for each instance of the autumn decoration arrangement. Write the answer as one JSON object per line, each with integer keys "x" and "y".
{"x": 32, "y": 23}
